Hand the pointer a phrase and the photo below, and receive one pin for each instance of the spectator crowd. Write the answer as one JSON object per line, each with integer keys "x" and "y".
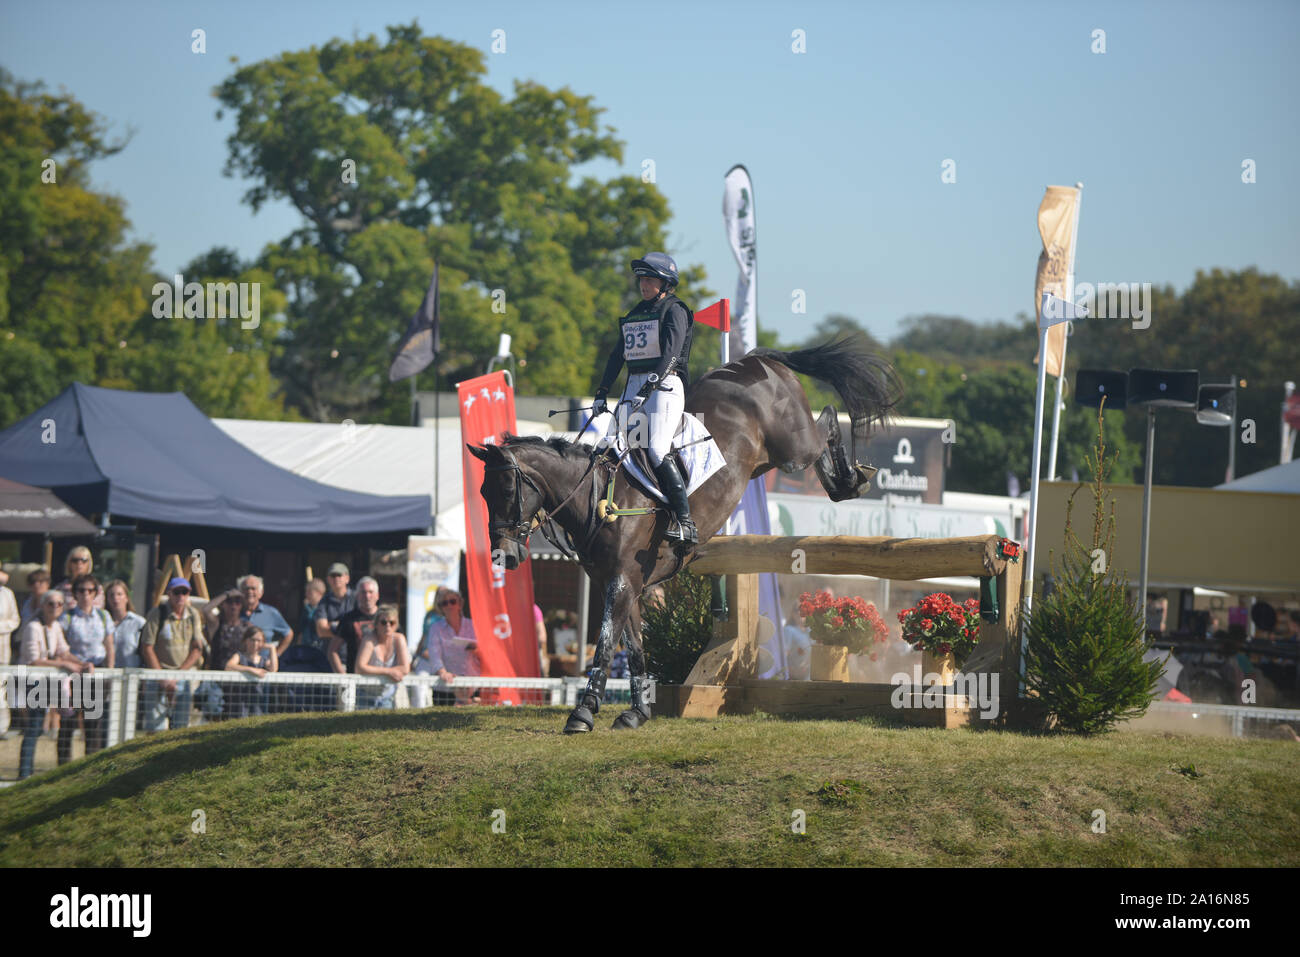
{"x": 82, "y": 623}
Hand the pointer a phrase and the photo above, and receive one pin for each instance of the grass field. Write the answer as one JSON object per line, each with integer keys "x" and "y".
{"x": 421, "y": 788}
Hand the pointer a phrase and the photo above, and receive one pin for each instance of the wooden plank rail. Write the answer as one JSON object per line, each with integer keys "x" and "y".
{"x": 901, "y": 559}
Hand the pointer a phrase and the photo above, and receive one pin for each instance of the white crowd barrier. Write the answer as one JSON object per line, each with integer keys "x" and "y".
{"x": 131, "y": 701}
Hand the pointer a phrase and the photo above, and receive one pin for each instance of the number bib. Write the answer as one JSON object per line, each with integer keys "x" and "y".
{"x": 641, "y": 340}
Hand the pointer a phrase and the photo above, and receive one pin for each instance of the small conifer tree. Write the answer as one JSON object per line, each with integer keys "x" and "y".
{"x": 1087, "y": 639}
{"x": 676, "y": 628}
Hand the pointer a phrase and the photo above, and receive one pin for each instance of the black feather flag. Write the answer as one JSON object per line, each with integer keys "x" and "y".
{"x": 421, "y": 342}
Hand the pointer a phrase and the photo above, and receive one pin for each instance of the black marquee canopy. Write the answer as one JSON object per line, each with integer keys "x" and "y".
{"x": 156, "y": 457}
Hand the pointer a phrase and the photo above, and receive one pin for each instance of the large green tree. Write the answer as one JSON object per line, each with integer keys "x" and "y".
{"x": 76, "y": 296}
{"x": 221, "y": 362}
{"x": 69, "y": 281}
{"x": 397, "y": 154}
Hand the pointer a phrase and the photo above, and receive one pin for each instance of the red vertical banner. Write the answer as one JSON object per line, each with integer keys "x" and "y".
{"x": 502, "y": 601}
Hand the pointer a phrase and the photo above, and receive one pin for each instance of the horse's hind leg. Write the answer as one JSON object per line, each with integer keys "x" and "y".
{"x": 840, "y": 479}
{"x": 618, "y": 604}
{"x": 639, "y": 713}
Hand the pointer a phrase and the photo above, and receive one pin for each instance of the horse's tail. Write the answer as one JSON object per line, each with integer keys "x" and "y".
{"x": 867, "y": 383}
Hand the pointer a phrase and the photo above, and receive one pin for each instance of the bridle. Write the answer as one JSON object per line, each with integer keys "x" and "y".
{"x": 518, "y": 531}
{"x": 512, "y": 531}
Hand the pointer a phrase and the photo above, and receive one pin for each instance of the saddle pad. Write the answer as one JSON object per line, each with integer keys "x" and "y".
{"x": 701, "y": 459}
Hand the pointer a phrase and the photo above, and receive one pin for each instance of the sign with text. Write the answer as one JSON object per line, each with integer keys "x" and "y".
{"x": 804, "y": 515}
{"x": 912, "y": 459}
{"x": 430, "y": 563}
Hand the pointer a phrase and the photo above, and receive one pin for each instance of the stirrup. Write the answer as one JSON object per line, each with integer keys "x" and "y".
{"x": 682, "y": 531}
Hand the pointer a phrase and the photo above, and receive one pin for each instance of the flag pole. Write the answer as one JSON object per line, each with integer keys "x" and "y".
{"x": 724, "y": 353}
{"x": 437, "y": 427}
{"x": 1031, "y": 550}
{"x": 1065, "y": 340}
{"x": 1288, "y": 389}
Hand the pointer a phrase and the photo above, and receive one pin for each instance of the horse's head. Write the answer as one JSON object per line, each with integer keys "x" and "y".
{"x": 513, "y": 499}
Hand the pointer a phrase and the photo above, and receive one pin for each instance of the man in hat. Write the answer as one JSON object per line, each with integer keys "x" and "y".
{"x": 338, "y": 601}
{"x": 172, "y": 640}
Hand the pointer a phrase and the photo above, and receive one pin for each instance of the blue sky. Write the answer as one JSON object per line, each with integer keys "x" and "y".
{"x": 845, "y": 142}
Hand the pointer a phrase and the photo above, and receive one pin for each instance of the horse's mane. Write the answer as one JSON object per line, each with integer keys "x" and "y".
{"x": 555, "y": 443}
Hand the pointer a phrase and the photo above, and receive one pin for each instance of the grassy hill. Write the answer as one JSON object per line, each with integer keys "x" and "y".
{"x": 420, "y": 788}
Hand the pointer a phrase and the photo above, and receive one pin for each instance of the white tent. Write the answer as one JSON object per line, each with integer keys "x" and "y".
{"x": 379, "y": 459}
{"x": 1283, "y": 478}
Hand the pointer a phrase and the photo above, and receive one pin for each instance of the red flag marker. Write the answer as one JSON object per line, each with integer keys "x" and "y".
{"x": 717, "y": 315}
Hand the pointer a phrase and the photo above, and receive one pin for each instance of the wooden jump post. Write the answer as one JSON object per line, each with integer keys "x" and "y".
{"x": 723, "y": 680}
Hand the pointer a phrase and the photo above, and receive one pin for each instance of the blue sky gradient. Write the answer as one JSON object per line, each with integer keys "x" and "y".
{"x": 844, "y": 142}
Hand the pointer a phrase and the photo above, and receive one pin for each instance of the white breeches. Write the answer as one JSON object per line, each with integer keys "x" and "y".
{"x": 655, "y": 423}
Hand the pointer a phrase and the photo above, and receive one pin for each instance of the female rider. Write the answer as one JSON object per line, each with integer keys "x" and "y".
{"x": 656, "y": 345}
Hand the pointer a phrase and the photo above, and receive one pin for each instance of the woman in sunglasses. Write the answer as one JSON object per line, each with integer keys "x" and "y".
{"x": 79, "y": 562}
{"x": 383, "y": 653}
{"x": 89, "y": 633}
{"x": 450, "y": 648}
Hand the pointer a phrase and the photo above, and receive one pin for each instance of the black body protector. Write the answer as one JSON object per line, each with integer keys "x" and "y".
{"x": 674, "y": 326}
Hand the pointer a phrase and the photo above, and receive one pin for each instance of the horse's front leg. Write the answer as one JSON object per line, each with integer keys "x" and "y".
{"x": 618, "y": 604}
{"x": 639, "y": 712}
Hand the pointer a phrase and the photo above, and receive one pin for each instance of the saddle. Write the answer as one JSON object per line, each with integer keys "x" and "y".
{"x": 698, "y": 458}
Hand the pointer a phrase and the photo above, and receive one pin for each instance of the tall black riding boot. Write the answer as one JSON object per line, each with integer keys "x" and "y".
{"x": 670, "y": 480}
{"x": 583, "y": 717}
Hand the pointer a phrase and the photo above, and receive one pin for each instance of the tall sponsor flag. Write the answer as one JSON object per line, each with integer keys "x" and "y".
{"x": 502, "y": 602}
{"x": 750, "y": 516}
{"x": 738, "y": 213}
{"x": 421, "y": 342}
{"x": 1056, "y": 217}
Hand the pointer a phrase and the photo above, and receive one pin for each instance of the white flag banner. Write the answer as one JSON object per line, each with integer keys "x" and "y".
{"x": 1054, "y": 311}
{"x": 738, "y": 212}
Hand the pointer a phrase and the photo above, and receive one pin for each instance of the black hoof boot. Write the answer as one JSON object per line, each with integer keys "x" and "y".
{"x": 639, "y": 713}
{"x": 583, "y": 718}
{"x": 580, "y": 721}
{"x": 631, "y": 718}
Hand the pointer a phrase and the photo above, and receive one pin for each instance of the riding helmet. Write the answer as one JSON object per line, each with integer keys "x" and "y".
{"x": 658, "y": 265}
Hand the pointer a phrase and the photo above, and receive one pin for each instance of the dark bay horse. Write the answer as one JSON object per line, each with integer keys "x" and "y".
{"x": 757, "y": 412}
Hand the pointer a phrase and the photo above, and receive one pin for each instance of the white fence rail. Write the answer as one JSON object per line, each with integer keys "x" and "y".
{"x": 119, "y": 703}
{"x": 1237, "y": 714}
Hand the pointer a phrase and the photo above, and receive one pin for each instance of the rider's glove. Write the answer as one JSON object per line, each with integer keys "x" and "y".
{"x": 645, "y": 390}
{"x": 600, "y": 406}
